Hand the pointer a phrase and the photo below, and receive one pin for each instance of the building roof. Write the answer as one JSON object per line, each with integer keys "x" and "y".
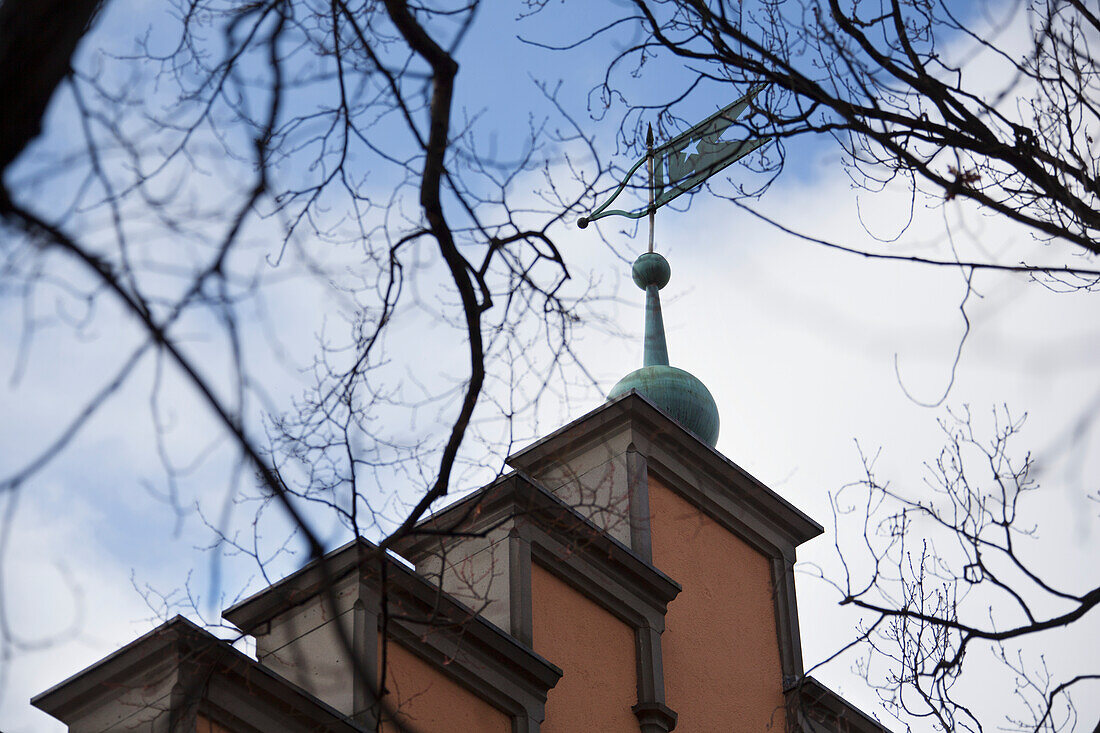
{"x": 180, "y": 670}
{"x": 183, "y": 672}
{"x": 819, "y": 708}
{"x": 655, "y": 434}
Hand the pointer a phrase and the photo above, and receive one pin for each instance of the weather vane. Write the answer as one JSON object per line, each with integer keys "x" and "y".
{"x": 685, "y": 161}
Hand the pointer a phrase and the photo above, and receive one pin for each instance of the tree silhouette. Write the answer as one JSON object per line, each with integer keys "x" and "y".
{"x": 294, "y": 111}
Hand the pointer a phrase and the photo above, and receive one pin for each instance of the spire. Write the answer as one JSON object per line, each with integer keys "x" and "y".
{"x": 651, "y": 273}
{"x": 679, "y": 394}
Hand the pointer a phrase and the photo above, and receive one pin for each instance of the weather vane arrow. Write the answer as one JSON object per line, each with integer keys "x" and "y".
{"x": 686, "y": 161}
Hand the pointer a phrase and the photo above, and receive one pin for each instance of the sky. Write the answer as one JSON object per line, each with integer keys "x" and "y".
{"x": 812, "y": 355}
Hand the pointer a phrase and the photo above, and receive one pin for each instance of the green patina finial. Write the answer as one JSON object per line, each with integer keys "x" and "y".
{"x": 651, "y": 273}
{"x": 673, "y": 390}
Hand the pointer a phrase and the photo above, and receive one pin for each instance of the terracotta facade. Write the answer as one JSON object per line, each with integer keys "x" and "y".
{"x": 425, "y": 698}
{"x": 596, "y": 653}
{"x": 729, "y": 584}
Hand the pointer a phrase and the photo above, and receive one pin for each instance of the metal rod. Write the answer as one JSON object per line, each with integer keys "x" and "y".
{"x": 652, "y": 208}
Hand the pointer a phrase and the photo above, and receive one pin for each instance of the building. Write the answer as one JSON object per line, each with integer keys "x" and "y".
{"x": 624, "y": 577}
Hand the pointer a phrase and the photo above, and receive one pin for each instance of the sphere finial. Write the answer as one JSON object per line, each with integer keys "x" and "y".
{"x": 651, "y": 269}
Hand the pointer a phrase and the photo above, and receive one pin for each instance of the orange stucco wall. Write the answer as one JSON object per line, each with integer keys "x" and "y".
{"x": 595, "y": 651}
{"x": 720, "y": 649}
{"x": 430, "y": 702}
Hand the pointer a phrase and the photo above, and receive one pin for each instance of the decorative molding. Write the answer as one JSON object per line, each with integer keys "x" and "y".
{"x": 651, "y": 674}
{"x": 519, "y": 587}
{"x": 814, "y": 708}
{"x": 655, "y": 717}
{"x": 534, "y": 514}
{"x": 204, "y": 675}
{"x": 365, "y": 709}
{"x": 786, "y": 618}
{"x": 296, "y": 589}
{"x": 544, "y": 529}
{"x": 769, "y": 518}
{"x": 658, "y": 447}
{"x": 452, "y": 637}
{"x": 637, "y": 479}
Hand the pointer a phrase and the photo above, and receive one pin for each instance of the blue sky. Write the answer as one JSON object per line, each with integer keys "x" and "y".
{"x": 806, "y": 351}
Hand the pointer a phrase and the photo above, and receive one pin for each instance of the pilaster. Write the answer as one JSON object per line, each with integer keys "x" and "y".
{"x": 637, "y": 479}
